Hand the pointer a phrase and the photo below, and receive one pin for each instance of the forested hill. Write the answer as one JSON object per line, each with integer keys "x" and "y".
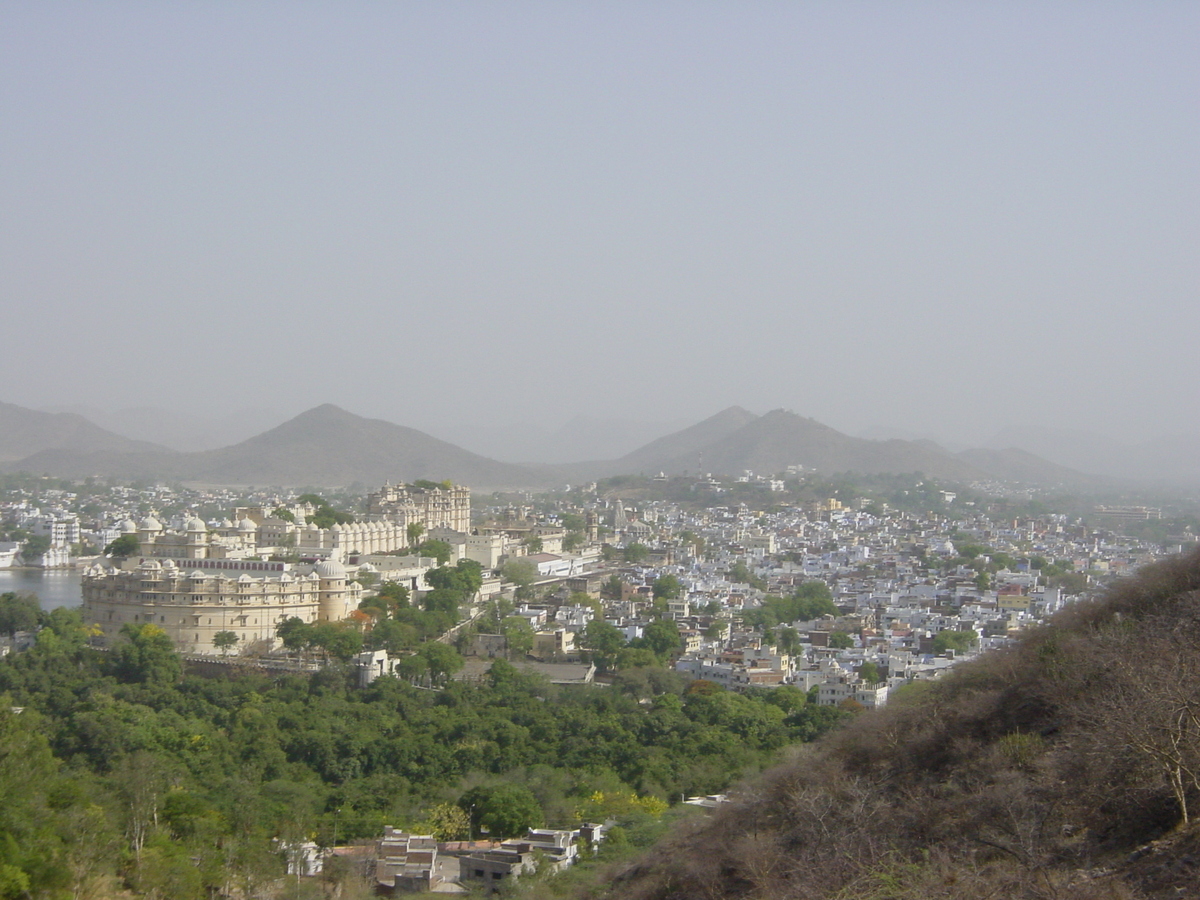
{"x": 1067, "y": 767}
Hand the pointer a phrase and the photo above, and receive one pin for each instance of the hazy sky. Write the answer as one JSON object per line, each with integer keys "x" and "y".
{"x": 939, "y": 217}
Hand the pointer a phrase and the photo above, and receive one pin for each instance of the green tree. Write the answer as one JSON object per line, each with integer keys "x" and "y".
{"x": 442, "y": 660}
{"x": 294, "y": 633}
{"x": 439, "y": 550}
{"x": 33, "y": 853}
{"x": 667, "y": 587}
{"x": 414, "y": 531}
{"x": 739, "y": 573}
{"x": 394, "y": 595}
{"x": 839, "y": 640}
{"x": 340, "y": 641}
{"x": 662, "y": 637}
{"x": 123, "y": 547}
{"x": 716, "y": 630}
{"x": 518, "y": 635}
{"x": 1071, "y": 582}
{"x": 225, "y": 641}
{"x": 425, "y": 484}
{"x": 18, "y": 612}
{"x": 522, "y": 572}
{"x": 442, "y": 600}
{"x": 816, "y": 592}
{"x": 612, "y": 589}
{"x": 393, "y": 636}
{"x": 448, "y": 822}
{"x": 509, "y": 810}
{"x": 633, "y": 657}
{"x": 604, "y": 640}
{"x": 412, "y": 668}
{"x": 787, "y": 640}
{"x": 145, "y": 654}
{"x": 869, "y": 672}
{"x": 959, "y": 641}
{"x": 466, "y": 576}
{"x": 635, "y": 554}
{"x": 325, "y": 516}
{"x": 35, "y": 546}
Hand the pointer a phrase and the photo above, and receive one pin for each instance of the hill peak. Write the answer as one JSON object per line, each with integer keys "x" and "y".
{"x": 734, "y": 411}
{"x": 326, "y": 411}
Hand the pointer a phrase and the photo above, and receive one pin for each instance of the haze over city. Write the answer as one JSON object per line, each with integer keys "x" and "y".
{"x": 916, "y": 219}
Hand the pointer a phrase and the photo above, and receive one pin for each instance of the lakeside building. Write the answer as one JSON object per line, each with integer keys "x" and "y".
{"x": 259, "y": 531}
{"x": 244, "y": 574}
{"x": 193, "y": 603}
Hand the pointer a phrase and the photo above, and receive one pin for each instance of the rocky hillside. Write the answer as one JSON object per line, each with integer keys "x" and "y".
{"x": 1066, "y": 767}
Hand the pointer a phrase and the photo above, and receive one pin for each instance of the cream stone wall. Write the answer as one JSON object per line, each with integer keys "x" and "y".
{"x": 192, "y": 601}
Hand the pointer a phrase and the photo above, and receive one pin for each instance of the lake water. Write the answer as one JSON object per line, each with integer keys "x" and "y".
{"x": 54, "y": 587}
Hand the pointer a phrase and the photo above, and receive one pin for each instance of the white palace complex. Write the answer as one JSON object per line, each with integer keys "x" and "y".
{"x": 199, "y": 580}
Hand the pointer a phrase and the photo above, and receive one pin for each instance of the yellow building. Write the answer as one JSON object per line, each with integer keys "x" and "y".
{"x": 193, "y": 600}
{"x": 201, "y": 579}
{"x": 440, "y": 506}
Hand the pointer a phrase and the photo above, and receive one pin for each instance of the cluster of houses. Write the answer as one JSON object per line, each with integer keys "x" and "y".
{"x": 887, "y": 572}
{"x": 402, "y": 862}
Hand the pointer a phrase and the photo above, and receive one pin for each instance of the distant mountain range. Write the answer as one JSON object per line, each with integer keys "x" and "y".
{"x": 734, "y": 441}
{"x": 27, "y": 431}
{"x": 325, "y": 446}
{"x": 328, "y": 446}
{"x": 176, "y": 429}
{"x": 536, "y": 443}
{"x": 1173, "y": 458}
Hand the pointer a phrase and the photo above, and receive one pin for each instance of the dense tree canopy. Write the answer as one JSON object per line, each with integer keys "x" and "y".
{"x": 125, "y": 546}
{"x": 505, "y": 811}
{"x": 439, "y": 550}
{"x": 810, "y": 601}
{"x": 146, "y": 654}
{"x": 466, "y": 576}
{"x": 636, "y": 553}
{"x": 176, "y": 785}
{"x": 959, "y": 641}
{"x": 18, "y": 612}
{"x": 667, "y": 587}
{"x": 35, "y": 546}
